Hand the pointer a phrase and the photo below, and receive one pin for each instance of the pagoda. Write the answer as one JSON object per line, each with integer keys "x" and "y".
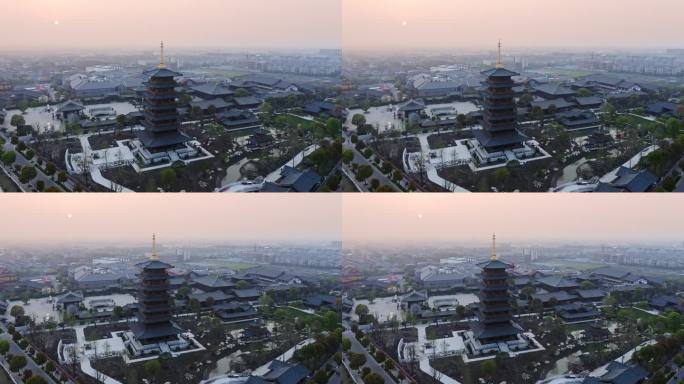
{"x": 495, "y": 319}
{"x": 499, "y": 122}
{"x": 155, "y": 307}
{"x": 161, "y": 120}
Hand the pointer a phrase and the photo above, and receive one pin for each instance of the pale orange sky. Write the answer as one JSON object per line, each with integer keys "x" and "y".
{"x": 174, "y": 217}
{"x": 87, "y": 24}
{"x": 439, "y": 24}
{"x": 424, "y": 218}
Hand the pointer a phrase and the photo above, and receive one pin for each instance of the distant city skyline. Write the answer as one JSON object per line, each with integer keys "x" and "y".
{"x": 460, "y": 24}
{"x": 184, "y": 24}
{"x": 527, "y": 218}
{"x": 133, "y": 218}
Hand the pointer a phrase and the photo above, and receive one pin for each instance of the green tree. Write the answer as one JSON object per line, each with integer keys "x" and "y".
{"x": 320, "y": 377}
{"x": 9, "y": 157}
{"x": 583, "y": 92}
{"x": 358, "y": 119}
{"x": 17, "y": 121}
{"x": 17, "y": 311}
{"x": 524, "y": 100}
{"x": 373, "y": 378}
{"x": 50, "y": 168}
{"x": 16, "y": 363}
{"x": 153, "y": 368}
{"x": 361, "y": 310}
{"x": 375, "y": 183}
{"x": 586, "y": 284}
{"x": 241, "y": 92}
{"x": 62, "y": 177}
{"x": 346, "y": 344}
{"x": 502, "y": 175}
{"x": 27, "y": 174}
{"x": 266, "y": 300}
{"x": 4, "y": 347}
{"x": 120, "y": 121}
{"x": 242, "y": 284}
{"x": 118, "y": 312}
{"x": 527, "y": 291}
{"x": 461, "y": 119}
{"x": 167, "y": 177}
{"x": 183, "y": 292}
{"x": 333, "y": 127}
{"x": 356, "y": 360}
{"x": 347, "y": 156}
{"x": 488, "y": 367}
{"x": 36, "y": 380}
{"x": 363, "y": 172}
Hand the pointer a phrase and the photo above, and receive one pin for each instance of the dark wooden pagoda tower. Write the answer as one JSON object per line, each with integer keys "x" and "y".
{"x": 155, "y": 308}
{"x": 495, "y": 319}
{"x": 161, "y": 121}
{"x": 499, "y": 121}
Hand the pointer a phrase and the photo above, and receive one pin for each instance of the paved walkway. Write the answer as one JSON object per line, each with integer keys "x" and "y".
{"x": 431, "y": 169}
{"x": 296, "y": 160}
{"x": 30, "y": 364}
{"x": 600, "y": 371}
{"x": 284, "y": 357}
{"x": 359, "y": 158}
{"x": 95, "y": 173}
{"x": 356, "y": 347}
{"x": 631, "y": 163}
{"x": 23, "y": 161}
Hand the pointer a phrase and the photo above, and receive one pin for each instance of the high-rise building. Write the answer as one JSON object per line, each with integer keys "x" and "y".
{"x": 162, "y": 123}
{"x": 499, "y": 122}
{"x": 155, "y": 306}
{"x": 495, "y": 318}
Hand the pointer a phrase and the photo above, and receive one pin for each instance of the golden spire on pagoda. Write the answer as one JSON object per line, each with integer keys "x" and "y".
{"x": 162, "y": 61}
{"x": 154, "y": 255}
{"x": 493, "y": 256}
{"x": 499, "y": 62}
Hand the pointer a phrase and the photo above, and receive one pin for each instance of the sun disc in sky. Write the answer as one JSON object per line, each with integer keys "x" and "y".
{"x": 404, "y": 23}
{"x": 420, "y": 216}
{"x": 69, "y": 216}
{"x": 56, "y": 22}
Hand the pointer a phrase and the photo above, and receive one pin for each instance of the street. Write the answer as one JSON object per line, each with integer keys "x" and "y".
{"x": 22, "y": 161}
{"x": 15, "y": 350}
{"x": 370, "y": 360}
{"x": 360, "y": 159}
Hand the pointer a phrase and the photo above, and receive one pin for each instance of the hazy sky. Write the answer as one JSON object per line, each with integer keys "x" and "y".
{"x": 530, "y": 217}
{"x": 174, "y": 217}
{"x": 438, "y": 24}
{"x": 86, "y": 24}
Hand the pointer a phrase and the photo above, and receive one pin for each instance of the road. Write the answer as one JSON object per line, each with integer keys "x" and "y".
{"x": 22, "y": 161}
{"x": 15, "y": 350}
{"x": 377, "y": 174}
{"x": 370, "y": 360}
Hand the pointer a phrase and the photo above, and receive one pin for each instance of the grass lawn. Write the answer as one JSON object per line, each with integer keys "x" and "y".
{"x": 638, "y": 314}
{"x": 6, "y": 184}
{"x": 296, "y": 120}
{"x": 635, "y": 121}
{"x": 237, "y": 265}
{"x": 565, "y": 72}
{"x": 291, "y": 313}
{"x": 222, "y": 72}
{"x": 580, "y": 266}
{"x": 4, "y": 377}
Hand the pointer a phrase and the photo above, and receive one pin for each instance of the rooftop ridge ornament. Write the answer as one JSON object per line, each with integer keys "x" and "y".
{"x": 154, "y": 255}
{"x": 493, "y": 256}
{"x": 499, "y": 62}
{"x": 162, "y": 61}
